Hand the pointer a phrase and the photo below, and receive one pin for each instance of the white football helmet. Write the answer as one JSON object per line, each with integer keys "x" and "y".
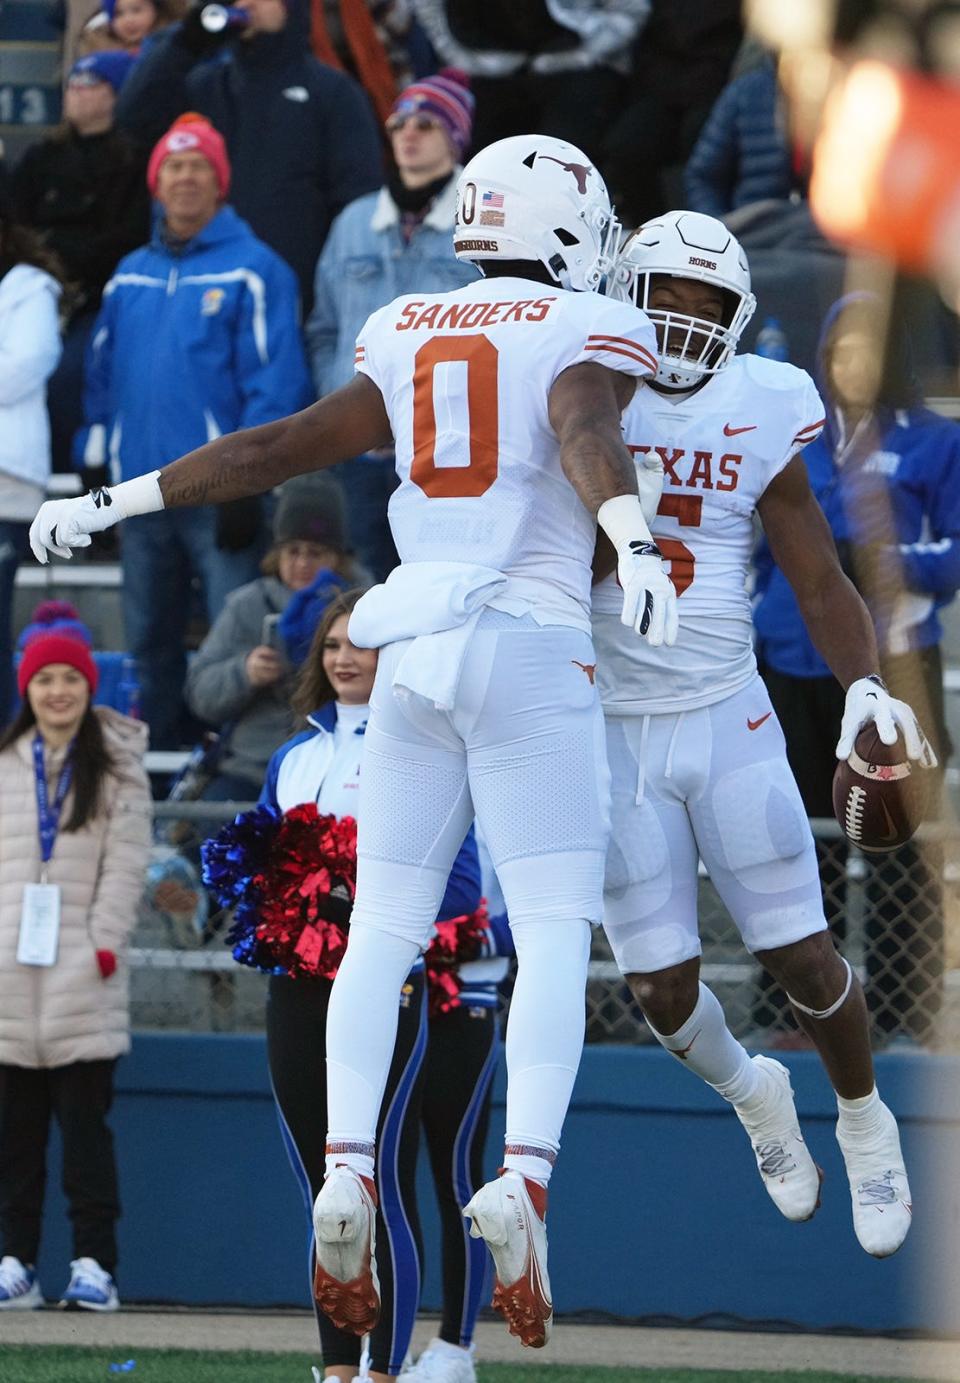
{"x": 536, "y": 197}
{"x": 687, "y": 245}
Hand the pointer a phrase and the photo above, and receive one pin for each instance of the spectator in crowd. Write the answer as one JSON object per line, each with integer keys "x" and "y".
{"x": 369, "y": 39}
{"x": 743, "y": 154}
{"x": 681, "y": 60}
{"x": 301, "y": 137}
{"x": 83, "y": 190}
{"x": 558, "y": 67}
{"x": 242, "y": 677}
{"x": 198, "y": 336}
{"x": 397, "y": 240}
{"x": 886, "y": 472}
{"x": 75, "y": 816}
{"x": 30, "y": 289}
{"x": 127, "y": 25}
{"x": 323, "y": 765}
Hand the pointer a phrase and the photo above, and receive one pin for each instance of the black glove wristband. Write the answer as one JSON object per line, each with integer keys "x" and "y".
{"x": 875, "y": 677}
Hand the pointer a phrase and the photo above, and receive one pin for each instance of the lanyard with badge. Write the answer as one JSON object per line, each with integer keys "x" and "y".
{"x": 40, "y": 914}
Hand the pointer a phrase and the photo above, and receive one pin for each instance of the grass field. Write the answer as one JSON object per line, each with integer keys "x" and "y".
{"x": 36, "y": 1364}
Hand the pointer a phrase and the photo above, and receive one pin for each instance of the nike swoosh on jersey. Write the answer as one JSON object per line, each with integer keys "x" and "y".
{"x": 755, "y": 724}
{"x": 729, "y": 431}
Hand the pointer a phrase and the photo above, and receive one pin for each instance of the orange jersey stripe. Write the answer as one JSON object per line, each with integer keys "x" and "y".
{"x": 810, "y": 431}
{"x": 622, "y": 341}
{"x": 637, "y": 353}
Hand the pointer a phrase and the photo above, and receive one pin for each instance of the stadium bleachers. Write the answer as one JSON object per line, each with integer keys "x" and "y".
{"x": 30, "y": 87}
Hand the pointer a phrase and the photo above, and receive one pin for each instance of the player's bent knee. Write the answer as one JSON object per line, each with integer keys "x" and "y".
{"x": 667, "y": 997}
{"x": 810, "y": 970}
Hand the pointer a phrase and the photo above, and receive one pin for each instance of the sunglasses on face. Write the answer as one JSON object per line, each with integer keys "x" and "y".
{"x": 423, "y": 123}
{"x": 84, "y": 79}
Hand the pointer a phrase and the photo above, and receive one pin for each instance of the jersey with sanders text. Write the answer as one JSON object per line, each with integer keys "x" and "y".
{"x": 721, "y": 446}
{"x": 465, "y": 377}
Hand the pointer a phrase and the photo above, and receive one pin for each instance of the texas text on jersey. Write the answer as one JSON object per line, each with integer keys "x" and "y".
{"x": 721, "y": 446}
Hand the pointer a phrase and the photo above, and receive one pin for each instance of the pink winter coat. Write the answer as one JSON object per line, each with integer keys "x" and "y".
{"x": 55, "y": 1015}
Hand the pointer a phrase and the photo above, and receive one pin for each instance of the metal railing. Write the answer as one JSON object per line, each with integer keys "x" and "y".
{"x": 896, "y": 918}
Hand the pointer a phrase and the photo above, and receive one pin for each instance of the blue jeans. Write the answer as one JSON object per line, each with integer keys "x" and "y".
{"x": 13, "y": 549}
{"x": 160, "y": 554}
{"x": 368, "y": 482}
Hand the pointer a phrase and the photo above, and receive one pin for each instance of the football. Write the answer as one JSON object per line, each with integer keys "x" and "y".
{"x": 878, "y": 797}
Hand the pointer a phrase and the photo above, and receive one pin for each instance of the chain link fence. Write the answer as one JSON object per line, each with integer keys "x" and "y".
{"x": 896, "y": 918}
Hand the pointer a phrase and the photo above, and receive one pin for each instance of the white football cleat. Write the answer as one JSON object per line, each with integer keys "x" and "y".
{"x": 509, "y": 1215}
{"x": 442, "y": 1362}
{"x": 882, "y": 1205}
{"x": 789, "y": 1173}
{"x": 345, "y": 1281}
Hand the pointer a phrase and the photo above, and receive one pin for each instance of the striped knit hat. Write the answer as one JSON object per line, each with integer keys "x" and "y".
{"x": 445, "y": 96}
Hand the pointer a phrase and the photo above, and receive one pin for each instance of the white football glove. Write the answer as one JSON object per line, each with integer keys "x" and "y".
{"x": 62, "y": 524}
{"x": 649, "y": 484}
{"x": 868, "y": 700}
{"x": 649, "y": 598}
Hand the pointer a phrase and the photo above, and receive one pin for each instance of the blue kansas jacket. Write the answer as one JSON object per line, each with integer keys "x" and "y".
{"x": 190, "y": 343}
{"x": 910, "y": 480}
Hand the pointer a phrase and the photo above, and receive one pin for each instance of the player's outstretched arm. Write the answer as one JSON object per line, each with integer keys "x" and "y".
{"x": 346, "y": 423}
{"x": 836, "y": 617}
{"x": 584, "y": 406}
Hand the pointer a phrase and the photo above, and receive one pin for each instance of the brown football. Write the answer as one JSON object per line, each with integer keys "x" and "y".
{"x": 878, "y": 797}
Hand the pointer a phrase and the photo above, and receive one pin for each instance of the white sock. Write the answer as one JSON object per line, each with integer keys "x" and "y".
{"x": 544, "y": 1036}
{"x": 361, "y": 1035}
{"x": 533, "y": 1164}
{"x": 859, "y": 1116}
{"x": 711, "y": 1051}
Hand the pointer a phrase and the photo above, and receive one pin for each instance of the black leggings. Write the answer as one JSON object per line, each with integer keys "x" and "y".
{"x": 461, "y": 1060}
{"x": 79, "y": 1097}
{"x": 296, "y": 1047}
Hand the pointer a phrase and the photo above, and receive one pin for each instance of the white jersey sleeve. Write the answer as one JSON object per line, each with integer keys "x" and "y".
{"x": 805, "y": 418}
{"x": 618, "y": 336}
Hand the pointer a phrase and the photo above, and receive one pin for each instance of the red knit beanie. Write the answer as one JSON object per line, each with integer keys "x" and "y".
{"x": 55, "y": 648}
{"x": 191, "y": 133}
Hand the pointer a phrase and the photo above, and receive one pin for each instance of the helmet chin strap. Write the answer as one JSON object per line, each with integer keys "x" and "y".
{"x": 676, "y": 378}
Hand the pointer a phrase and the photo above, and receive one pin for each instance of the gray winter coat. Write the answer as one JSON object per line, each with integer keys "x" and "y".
{"x": 219, "y": 692}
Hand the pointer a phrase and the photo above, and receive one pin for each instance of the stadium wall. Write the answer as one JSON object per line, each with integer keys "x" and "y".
{"x": 659, "y": 1212}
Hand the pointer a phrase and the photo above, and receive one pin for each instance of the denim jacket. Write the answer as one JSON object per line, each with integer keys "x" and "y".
{"x": 365, "y": 264}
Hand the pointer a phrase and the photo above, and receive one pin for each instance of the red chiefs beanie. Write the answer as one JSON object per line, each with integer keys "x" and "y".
{"x": 55, "y": 648}
{"x": 191, "y": 133}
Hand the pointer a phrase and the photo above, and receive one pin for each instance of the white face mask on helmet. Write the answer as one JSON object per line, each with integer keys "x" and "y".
{"x": 533, "y": 197}
{"x": 687, "y": 245}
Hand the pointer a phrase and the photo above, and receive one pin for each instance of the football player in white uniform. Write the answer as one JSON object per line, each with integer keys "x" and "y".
{"x": 697, "y": 756}
{"x": 504, "y": 400}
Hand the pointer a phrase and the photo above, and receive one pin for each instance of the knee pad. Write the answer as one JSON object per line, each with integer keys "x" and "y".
{"x": 549, "y": 887}
{"x": 399, "y": 899}
{"x": 538, "y": 942}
